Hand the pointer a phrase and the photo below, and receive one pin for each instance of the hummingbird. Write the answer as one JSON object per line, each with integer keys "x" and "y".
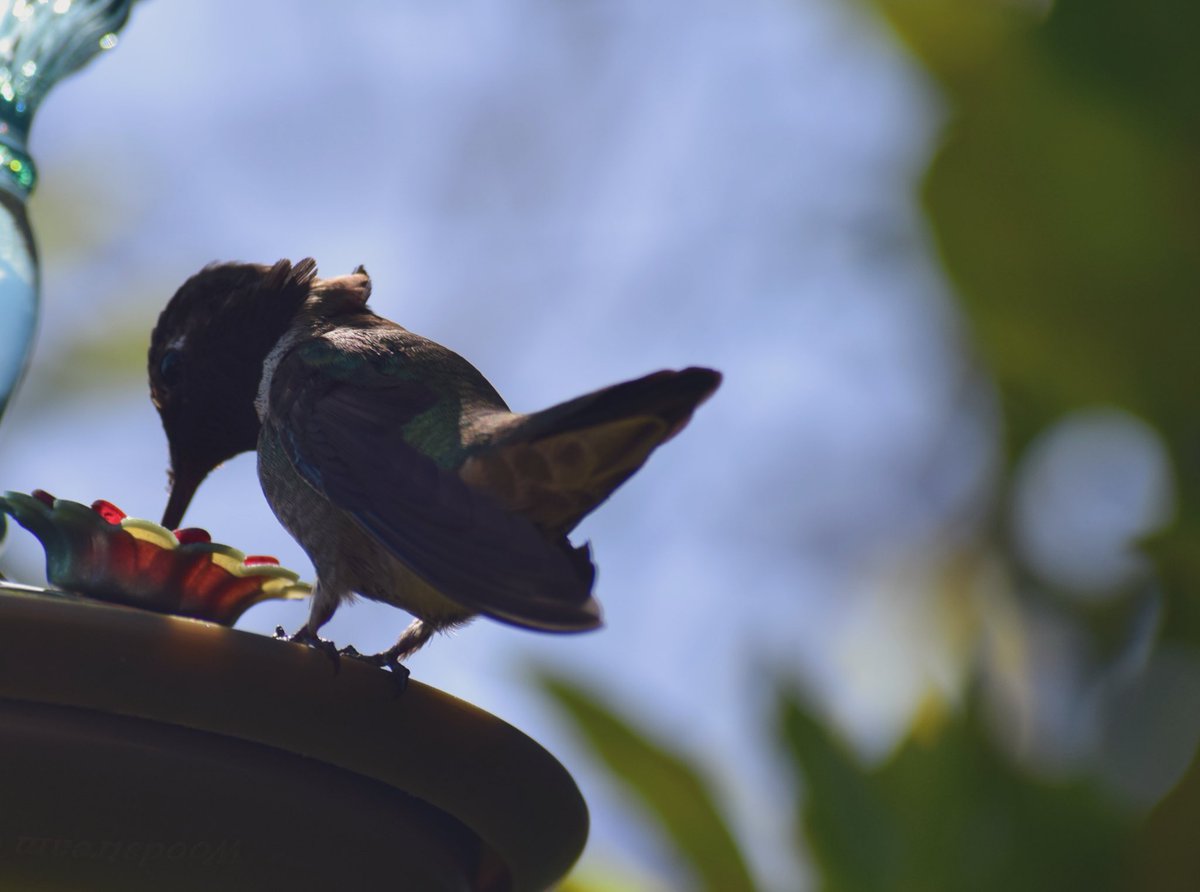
{"x": 389, "y": 458}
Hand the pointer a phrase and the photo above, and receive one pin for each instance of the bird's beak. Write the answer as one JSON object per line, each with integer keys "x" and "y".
{"x": 184, "y": 483}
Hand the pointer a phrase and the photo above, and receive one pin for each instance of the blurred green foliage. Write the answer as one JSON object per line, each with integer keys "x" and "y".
{"x": 108, "y": 356}
{"x": 948, "y": 811}
{"x": 1064, "y": 201}
{"x": 667, "y": 786}
{"x": 1064, "y": 198}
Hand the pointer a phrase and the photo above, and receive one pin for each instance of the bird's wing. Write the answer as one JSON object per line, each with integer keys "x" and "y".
{"x": 349, "y": 428}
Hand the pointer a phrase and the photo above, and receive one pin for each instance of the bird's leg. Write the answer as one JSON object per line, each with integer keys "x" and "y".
{"x": 417, "y": 633}
{"x": 324, "y": 603}
{"x": 414, "y": 636}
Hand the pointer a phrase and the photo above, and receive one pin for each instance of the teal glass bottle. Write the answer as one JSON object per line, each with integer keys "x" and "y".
{"x": 41, "y": 42}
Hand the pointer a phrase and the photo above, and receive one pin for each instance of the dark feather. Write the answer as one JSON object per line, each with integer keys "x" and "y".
{"x": 670, "y": 396}
{"x": 556, "y": 466}
{"x": 346, "y": 438}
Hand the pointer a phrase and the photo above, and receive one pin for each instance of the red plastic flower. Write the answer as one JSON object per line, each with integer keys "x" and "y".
{"x": 101, "y": 553}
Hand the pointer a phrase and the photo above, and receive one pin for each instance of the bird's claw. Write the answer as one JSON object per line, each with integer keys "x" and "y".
{"x": 383, "y": 660}
{"x": 310, "y": 638}
{"x": 353, "y": 653}
{"x": 399, "y": 673}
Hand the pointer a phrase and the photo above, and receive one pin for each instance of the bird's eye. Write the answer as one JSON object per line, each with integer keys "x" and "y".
{"x": 170, "y": 367}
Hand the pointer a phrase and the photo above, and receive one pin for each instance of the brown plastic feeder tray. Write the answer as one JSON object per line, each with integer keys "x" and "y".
{"x": 148, "y": 752}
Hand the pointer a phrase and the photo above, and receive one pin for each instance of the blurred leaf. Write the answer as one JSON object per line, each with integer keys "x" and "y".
{"x": 109, "y": 355}
{"x": 949, "y": 813}
{"x": 1177, "y": 555}
{"x": 1065, "y": 201}
{"x": 1057, "y": 217}
{"x": 79, "y": 208}
{"x": 956, "y": 39}
{"x": 1167, "y": 857}
{"x": 575, "y": 883}
{"x": 667, "y": 785}
{"x": 1145, "y": 52}
{"x": 606, "y": 879}
{"x": 850, "y": 830}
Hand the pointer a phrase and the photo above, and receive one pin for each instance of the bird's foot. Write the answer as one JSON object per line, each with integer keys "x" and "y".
{"x": 384, "y": 660}
{"x": 307, "y": 636}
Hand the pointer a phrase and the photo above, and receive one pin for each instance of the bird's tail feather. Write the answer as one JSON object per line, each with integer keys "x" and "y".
{"x": 667, "y": 395}
{"x": 556, "y": 466}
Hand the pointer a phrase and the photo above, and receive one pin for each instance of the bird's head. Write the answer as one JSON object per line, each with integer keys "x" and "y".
{"x": 206, "y": 361}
